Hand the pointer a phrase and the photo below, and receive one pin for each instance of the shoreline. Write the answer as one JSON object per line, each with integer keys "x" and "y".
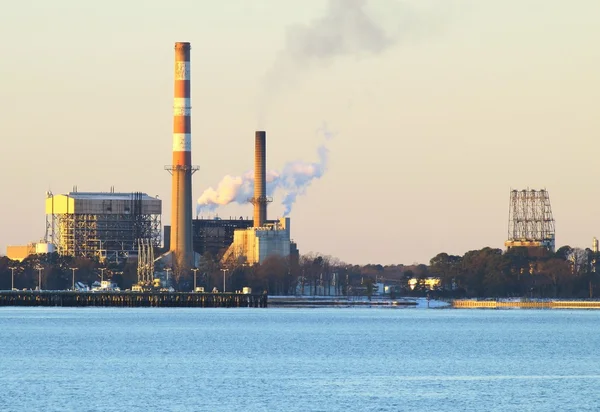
{"x": 345, "y": 302}
{"x": 525, "y": 304}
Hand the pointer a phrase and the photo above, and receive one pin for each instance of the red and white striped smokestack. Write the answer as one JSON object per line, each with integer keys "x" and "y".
{"x": 182, "y": 169}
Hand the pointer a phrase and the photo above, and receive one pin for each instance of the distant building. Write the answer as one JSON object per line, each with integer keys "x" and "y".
{"x": 21, "y": 252}
{"x": 428, "y": 283}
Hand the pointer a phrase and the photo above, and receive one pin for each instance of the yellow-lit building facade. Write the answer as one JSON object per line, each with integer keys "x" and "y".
{"x": 256, "y": 244}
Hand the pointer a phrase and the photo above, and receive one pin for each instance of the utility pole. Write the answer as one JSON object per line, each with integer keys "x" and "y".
{"x": 168, "y": 270}
{"x": 39, "y": 269}
{"x": 12, "y": 283}
{"x": 73, "y": 269}
{"x": 224, "y": 271}
{"x": 195, "y": 270}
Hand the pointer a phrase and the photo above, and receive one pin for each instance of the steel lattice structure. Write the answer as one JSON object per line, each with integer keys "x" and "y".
{"x": 145, "y": 270}
{"x": 102, "y": 225}
{"x": 530, "y": 221}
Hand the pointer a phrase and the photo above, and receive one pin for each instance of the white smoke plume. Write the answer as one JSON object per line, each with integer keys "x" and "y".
{"x": 348, "y": 28}
{"x": 289, "y": 183}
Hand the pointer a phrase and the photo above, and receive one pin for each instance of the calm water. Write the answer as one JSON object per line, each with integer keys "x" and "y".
{"x": 74, "y": 359}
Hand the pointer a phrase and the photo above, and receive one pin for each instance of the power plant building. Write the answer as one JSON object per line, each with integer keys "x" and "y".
{"x": 262, "y": 240}
{"x": 105, "y": 225}
{"x": 214, "y": 235}
{"x": 256, "y": 244}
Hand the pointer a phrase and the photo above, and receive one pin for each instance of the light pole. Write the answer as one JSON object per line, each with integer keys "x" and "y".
{"x": 102, "y": 274}
{"x": 224, "y": 271}
{"x": 168, "y": 270}
{"x": 195, "y": 270}
{"x": 12, "y": 283}
{"x": 73, "y": 269}
{"x": 39, "y": 269}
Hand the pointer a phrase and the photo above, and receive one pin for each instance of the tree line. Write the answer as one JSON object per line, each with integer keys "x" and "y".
{"x": 488, "y": 272}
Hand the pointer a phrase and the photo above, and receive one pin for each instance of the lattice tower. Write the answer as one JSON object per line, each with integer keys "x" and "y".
{"x": 530, "y": 221}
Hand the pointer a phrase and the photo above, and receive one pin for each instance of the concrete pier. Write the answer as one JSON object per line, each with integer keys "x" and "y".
{"x": 132, "y": 299}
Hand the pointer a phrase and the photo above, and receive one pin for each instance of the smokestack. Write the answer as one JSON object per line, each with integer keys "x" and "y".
{"x": 182, "y": 169}
{"x": 260, "y": 177}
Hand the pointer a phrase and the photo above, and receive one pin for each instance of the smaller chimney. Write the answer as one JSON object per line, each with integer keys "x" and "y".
{"x": 260, "y": 199}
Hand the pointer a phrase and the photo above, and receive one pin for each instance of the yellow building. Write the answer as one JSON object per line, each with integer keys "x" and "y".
{"x": 20, "y": 252}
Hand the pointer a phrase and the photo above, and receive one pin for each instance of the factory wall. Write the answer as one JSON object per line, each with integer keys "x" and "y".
{"x": 272, "y": 243}
{"x": 256, "y": 244}
{"x": 60, "y": 204}
{"x": 244, "y": 246}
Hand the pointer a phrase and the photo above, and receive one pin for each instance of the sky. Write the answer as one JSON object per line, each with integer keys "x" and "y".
{"x": 428, "y": 113}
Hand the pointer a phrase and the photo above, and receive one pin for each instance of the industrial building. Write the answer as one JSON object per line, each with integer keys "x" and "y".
{"x": 243, "y": 241}
{"x": 256, "y": 244}
{"x": 20, "y": 252}
{"x": 530, "y": 222}
{"x": 212, "y": 236}
{"x": 104, "y": 225}
{"x": 262, "y": 240}
{"x": 110, "y": 226}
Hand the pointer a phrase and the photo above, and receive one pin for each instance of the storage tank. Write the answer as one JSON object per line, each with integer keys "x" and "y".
{"x": 44, "y": 247}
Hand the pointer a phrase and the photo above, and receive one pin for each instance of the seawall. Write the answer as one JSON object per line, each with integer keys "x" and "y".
{"x": 526, "y": 304}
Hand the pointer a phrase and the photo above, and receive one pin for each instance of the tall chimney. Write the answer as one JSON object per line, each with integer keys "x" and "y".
{"x": 260, "y": 177}
{"x": 182, "y": 169}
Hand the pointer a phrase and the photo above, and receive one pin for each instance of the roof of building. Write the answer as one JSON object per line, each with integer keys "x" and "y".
{"x": 108, "y": 195}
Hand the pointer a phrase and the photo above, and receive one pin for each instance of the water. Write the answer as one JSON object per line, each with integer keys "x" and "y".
{"x": 103, "y": 359}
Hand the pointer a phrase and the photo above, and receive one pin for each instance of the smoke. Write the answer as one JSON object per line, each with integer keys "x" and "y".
{"x": 348, "y": 28}
{"x": 230, "y": 189}
{"x": 297, "y": 176}
{"x": 290, "y": 182}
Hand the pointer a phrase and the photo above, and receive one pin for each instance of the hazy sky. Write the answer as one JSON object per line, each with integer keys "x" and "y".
{"x": 439, "y": 109}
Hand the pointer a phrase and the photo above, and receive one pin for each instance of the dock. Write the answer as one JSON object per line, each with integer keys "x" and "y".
{"x": 133, "y": 299}
{"x": 526, "y": 304}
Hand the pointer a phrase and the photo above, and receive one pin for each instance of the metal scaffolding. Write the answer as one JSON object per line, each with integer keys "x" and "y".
{"x": 145, "y": 270}
{"x": 530, "y": 221}
{"x": 103, "y": 225}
